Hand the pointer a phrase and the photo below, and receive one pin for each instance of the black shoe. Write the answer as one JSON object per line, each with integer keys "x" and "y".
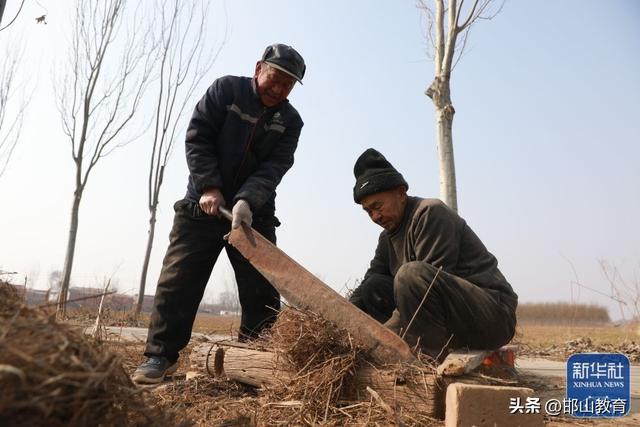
{"x": 153, "y": 370}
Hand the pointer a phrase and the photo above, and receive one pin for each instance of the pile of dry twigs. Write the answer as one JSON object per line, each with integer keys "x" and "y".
{"x": 52, "y": 375}
{"x": 324, "y": 359}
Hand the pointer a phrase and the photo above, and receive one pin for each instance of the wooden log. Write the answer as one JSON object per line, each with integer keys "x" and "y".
{"x": 457, "y": 364}
{"x": 238, "y": 362}
{"x": 400, "y": 386}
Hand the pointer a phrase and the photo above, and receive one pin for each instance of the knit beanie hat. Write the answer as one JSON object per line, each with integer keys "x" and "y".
{"x": 374, "y": 174}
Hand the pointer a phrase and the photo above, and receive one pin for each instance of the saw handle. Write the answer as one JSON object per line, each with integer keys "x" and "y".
{"x": 225, "y": 212}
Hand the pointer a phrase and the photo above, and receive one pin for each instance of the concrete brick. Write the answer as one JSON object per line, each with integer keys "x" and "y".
{"x": 487, "y": 406}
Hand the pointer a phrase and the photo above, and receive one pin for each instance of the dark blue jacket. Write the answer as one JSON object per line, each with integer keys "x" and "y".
{"x": 237, "y": 144}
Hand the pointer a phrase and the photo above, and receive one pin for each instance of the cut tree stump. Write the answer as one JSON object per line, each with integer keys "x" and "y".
{"x": 399, "y": 386}
{"x": 457, "y": 364}
{"x": 238, "y": 362}
{"x": 461, "y": 363}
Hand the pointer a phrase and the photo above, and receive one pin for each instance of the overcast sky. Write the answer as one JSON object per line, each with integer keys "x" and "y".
{"x": 546, "y": 139}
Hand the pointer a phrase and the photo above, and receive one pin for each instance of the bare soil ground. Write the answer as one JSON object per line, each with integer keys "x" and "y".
{"x": 546, "y": 341}
{"x": 205, "y": 401}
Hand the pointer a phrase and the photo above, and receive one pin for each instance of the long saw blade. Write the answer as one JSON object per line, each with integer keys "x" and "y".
{"x": 304, "y": 290}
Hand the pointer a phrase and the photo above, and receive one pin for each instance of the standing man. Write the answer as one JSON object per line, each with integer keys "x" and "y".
{"x": 427, "y": 249}
{"x": 239, "y": 143}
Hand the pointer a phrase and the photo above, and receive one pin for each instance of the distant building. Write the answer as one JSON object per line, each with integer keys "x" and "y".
{"x": 209, "y": 308}
{"x": 84, "y": 297}
{"x": 37, "y": 296}
{"x": 32, "y": 296}
{"x": 19, "y": 289}
{"x": 229, "y": 313}
{"x": 119, "y": 302}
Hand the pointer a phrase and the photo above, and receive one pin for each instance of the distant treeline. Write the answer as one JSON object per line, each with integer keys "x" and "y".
{"x": 561, "y": 313}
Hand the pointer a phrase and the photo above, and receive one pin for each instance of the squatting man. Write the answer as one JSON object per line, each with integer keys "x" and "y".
{"x": 240, "y": 142}
{"x": 470, "y": 303}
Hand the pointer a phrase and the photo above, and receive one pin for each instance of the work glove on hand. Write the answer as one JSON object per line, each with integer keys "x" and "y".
{"x": 241, "y": 213}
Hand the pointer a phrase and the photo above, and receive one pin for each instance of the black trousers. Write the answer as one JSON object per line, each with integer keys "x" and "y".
{"x": 455, "y": 311}
{"x": 196, "y": 240}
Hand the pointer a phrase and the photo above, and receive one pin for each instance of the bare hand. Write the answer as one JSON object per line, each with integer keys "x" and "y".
{"x": 211, "y": 200}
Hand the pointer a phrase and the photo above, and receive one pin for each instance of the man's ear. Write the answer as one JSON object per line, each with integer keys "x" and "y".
{"x": 402, "y": 192}
{"x": 258, "y": 68}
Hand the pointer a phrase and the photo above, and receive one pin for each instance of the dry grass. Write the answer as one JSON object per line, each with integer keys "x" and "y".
{"x": 55, "y": 376}
{"x": 324, "y": 360}
{"x": 562, "y": 313}
{"x": 547, "y": 335}
{"x": 51, "y": 375}
{"x": 212, "y": 324}
{"x": 559, "y": 342}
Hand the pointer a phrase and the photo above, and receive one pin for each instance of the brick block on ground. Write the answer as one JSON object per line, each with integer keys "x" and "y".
{"x": 487, "y": 406}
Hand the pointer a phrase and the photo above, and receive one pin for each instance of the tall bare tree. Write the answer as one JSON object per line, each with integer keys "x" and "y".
{"x": 12, "y": 104}
{"x": 3, "y": 3}
{"x": 3, "y": 25}
{"x": 108, "y": 70}
{"x": 447, "y": 30}
{"x": 182, "y": 64}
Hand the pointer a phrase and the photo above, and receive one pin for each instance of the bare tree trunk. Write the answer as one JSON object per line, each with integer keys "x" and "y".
{"x": 71, "y": 249}
{"x": 10, "y": 129}
{"x": 100, "y": 93}
{"x": 440, "y": 94}
{"x": 444, "y": 28}
{"x": 99, "y": 332}
{"x": 181, "y": 69}
{"x": 145, "y": 264}
{"x": 3, "y": 3}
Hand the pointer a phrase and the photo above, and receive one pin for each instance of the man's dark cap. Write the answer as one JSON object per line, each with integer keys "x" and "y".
{"x": 374, "y": 174}
{"x": 286, "y": 59}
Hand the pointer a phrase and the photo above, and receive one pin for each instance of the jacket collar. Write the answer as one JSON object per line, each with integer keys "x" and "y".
{"x": 409, "y": 208}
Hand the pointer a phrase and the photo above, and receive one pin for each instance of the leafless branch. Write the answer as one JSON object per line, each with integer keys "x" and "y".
{"x": 437, "y": 27}
{"x": 619, "y": 286}
{"x": 428, "y": 32}
{"x": 13, "y": 103}
{"x": 182, "y": 64}
{"x": 109, "y": 68}
{"x": 14, "y": 18}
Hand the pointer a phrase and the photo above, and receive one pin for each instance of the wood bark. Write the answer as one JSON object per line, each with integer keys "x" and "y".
{"x": 100, "y": 92}
{"x": 440, "y": 94}
{"x": 183, "y": 63}
{"x": 3, "y": 3}
{"x": 446, "y": 32}
{"x": 71, "y": 249}
{"x": 145, "y": 263}
{"x": 399, "y": 386}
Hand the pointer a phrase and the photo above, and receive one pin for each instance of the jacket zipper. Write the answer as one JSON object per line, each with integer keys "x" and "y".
{"x": 247, "y": 148}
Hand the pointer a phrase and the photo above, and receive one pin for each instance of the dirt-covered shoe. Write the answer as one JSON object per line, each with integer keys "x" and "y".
{"x": 153, "y": 370}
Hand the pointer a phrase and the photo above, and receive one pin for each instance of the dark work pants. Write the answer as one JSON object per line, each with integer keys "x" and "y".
{"x": 196, "y": 240}
{"x": 455, "y": 311}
